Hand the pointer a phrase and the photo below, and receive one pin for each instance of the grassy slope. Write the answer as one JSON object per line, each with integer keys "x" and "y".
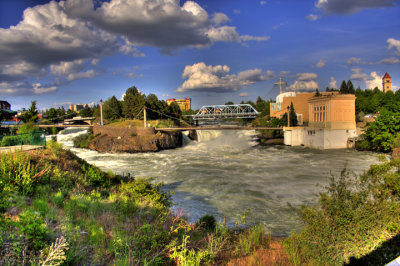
{"x": 56, "y": 208}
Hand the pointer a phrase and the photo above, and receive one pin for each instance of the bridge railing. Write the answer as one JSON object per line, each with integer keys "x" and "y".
{"x": 226, "y": 111}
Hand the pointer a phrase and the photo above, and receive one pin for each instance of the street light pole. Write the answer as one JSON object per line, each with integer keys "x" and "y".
{"x": 144, "y": 113}
{"x": 101, "y": 111}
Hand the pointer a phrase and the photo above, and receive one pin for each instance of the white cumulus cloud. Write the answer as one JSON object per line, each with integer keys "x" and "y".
{"x": 305, "y": 82}
{"x": 202, "y": 77}
{"x": 354, "y": 60}
{"x": 39, "y": 89}
{"x": 371, "y": 81}
{"x": 53, "y": 40}
{"x": 333, "y": 83}
{"x": 393, "y": 43}
{"x": 220, "y": 18}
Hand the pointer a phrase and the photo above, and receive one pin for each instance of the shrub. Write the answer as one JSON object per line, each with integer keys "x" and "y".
{"x": 363, "y": 145}
{"x": 34, "y": 229}
{"x": 142, "y": 188}
{"x": 11, "y": 141}
{"x": 353, "y": 217}
{"x": 17, "y": 173}
{"x": 207, "y": 222}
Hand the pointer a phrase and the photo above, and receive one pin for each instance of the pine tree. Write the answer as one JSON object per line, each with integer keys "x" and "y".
{"x": 293, "y": 116}
{"x": 343, "y": 88}
{"x": 350, "y": 87}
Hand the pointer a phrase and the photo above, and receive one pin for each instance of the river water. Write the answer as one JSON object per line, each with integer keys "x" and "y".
{"x": 226, "y": 173}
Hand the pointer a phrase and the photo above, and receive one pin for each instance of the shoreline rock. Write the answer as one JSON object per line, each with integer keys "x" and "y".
{"x": 116, "y": 140}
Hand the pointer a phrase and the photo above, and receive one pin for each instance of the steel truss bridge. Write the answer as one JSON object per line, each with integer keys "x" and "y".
{"x": 225, "y": 111}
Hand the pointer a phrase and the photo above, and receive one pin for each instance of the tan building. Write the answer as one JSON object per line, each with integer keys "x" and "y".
{"x": 331, "y": 123}
{"x": 386, "y": 83}
{"x": 300, "y": 104}
{"x": 332, "y": 111}
{"x": 184, "y": 104}
{"x": 76, "y": 107}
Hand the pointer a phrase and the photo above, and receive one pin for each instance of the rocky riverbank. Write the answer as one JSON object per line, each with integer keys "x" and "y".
{"x": 132, "y": 140}
{"x": 132, "y": 144}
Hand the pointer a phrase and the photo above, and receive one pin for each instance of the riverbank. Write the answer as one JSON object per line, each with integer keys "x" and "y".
{"x": 57, "y": 208}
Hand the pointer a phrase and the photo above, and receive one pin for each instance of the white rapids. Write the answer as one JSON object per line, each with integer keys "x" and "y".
{"x": 225, "y": 173}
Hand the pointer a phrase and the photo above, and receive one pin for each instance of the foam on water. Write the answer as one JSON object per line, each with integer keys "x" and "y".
{"x": 224, "y": 174}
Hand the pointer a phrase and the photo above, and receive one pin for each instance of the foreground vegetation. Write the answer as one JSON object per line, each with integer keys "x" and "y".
{"x": 357, "y": 221}
{"x": 57, "y": 209}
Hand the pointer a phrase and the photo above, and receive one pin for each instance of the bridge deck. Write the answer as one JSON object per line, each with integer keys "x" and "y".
{"x": 217, "y": 128}
{"x": 174, "y": 128}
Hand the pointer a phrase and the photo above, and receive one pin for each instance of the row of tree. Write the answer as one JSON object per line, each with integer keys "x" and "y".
{"x": 132, "y": 106}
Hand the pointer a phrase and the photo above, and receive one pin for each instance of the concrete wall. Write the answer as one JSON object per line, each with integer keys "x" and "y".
{"x": 293, "y": 136}
{"x": 123, "y": 131}
{"x": 318, "y": 138}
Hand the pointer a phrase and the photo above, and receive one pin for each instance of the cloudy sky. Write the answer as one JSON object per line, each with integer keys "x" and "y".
{"x": 81, "y": 51}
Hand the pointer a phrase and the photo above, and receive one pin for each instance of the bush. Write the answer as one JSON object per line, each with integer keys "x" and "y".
{"x": 354, "y": 217}
{"x": 142, "y": 188}
{"x": 34, "y": 229}
{"x": 363, "y": 145}
{"x": 207, "y": 222}
{"x": 11, "y": 141}
{"x": 82, "y": 141}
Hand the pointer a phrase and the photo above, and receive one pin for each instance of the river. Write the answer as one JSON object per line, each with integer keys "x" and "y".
{"x": 226, "y": 173}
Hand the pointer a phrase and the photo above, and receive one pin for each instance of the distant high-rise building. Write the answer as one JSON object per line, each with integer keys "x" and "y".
{"x": 386, "y": 83}
{"x": 184, "y": 104}
{"x": 76, "y": 107}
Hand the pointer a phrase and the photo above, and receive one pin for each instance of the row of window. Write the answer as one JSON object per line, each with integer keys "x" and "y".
{"x": 320, "y": 113}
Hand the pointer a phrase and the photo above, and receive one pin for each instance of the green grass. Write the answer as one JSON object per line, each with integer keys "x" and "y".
{"x": 55, "y": 207}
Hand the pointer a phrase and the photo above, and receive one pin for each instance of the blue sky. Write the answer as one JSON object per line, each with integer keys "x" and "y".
{"x": 81, "y": 51}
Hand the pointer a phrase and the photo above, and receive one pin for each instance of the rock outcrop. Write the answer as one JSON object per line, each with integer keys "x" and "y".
{"x": 136, "y": 143}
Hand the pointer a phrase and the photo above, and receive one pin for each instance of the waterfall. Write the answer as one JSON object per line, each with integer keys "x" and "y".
{"x": 66, "y": 136}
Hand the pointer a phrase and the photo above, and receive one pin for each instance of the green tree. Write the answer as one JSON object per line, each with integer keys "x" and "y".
{"x": 350, "y": 87}
{"x": 343, "y": 88}
{"x": 69, "y": 114}
{"x": 52, "y": 115}
{"x": 154, "y": 105}
{"x": 112, "y": 109}
{"x": 31, "y": 115}
{"x": 133, "y": 103}
{"x": 293, "y": 116}
{"x": 262, "y": 106}
{"x": 381, "y": 133}
{"x": 174, "y": 110}
{"x": 86, "y": 111}
{"x": 229, "y": 103}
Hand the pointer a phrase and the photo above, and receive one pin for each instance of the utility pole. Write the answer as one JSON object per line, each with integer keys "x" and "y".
{"x": 101, "y": 111}
{"x": 280, "y": 83}
{"x": 144, "y": 113}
